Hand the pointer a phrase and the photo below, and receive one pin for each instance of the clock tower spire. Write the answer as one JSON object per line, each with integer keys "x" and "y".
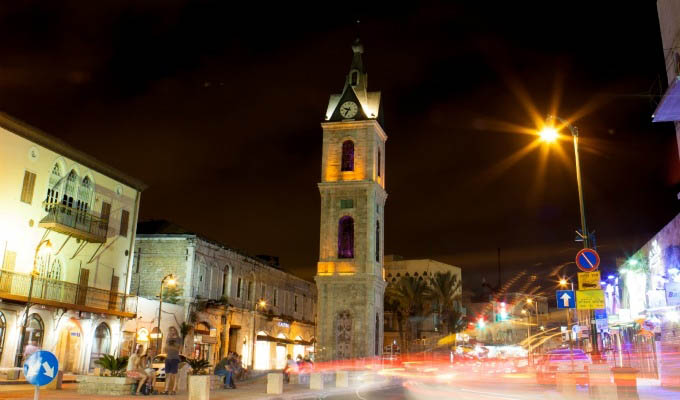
{"x": 349, "y": 276}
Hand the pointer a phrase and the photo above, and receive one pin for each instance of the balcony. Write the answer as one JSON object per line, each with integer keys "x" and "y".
{"x": 74, "y": 222}
{"x": 14, "y": 286}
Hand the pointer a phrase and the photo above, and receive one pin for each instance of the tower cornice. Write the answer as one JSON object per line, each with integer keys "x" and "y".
{"x": 345, "y": 125}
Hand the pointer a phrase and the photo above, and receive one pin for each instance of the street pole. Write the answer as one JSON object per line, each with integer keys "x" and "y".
{"x": 252, "y": 344}
{"x": 160, "y": 306}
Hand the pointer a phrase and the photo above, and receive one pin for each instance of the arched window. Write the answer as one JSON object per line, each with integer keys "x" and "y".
{"x": 84, "y": 198}
{"x": 347, "y": 156}
{"x": 377, "y": 241}
{"x": 70, "y": 190}
{"x": 50, "y": 269}
{"x": 53, "y": 188}
{"x": 379, "y": 161}
{"x": 3, "y": 328}
{"x": 101, "y": 344}
{"x": 34, "y": 333}
{"x": 346, "y": 237}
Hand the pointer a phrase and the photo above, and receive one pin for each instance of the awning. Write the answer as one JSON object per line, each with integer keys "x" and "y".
{"x": 669, "y": 108}
{"x": 267, "y": 338}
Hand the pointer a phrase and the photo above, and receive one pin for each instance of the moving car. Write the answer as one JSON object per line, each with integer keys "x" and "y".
{"x": 561, "y": 361}
{"x": 158, "y": 364}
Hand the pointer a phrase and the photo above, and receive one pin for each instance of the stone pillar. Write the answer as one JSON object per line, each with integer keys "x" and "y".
{"x": 316, "y": 381}
{"x": 199, "y": 387}
{"x": 341, "y": 379}
{"x": 275, "y": 383}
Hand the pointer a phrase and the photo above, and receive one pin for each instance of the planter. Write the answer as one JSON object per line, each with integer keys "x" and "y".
{"x": 105, "y": 385}
{"x": 199, "y": 387}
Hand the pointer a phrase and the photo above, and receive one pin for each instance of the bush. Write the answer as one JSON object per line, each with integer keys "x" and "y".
{"x": 198, "y": 366}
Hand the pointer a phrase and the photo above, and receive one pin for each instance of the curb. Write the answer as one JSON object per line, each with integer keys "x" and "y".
{"x": 23, "y": 382}
{"x": 331, "y": 392}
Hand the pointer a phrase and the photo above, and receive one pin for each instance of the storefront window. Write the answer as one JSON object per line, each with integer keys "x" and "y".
{"x": 202, "y": 341}
{"x": 261, "y": 352}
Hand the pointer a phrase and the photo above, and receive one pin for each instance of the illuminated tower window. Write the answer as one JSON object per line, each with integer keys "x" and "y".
{"x": 346, "y": 237}
{"x": 347, "y": 155}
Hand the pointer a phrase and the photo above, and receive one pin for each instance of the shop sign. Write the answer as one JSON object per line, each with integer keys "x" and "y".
{"x": 589, "y": 280}
{"x": 208, "y": 339}
{"x": 283, "y": 324}
{"x": 673, "y": 293}
{"x": 590, "y": 299}
{"x": 601, "y": 324}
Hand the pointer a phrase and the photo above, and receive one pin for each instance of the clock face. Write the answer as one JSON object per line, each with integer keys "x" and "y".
{"x": 349, "y": 109}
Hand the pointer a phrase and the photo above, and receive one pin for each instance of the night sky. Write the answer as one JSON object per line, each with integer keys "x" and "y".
{"x": 216, "y": 105}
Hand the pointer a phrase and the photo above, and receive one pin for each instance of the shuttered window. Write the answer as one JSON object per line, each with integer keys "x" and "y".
{"x": 124, "y": 218}
{"x": 27, "y": 189}
{"x": 105, "y": 214}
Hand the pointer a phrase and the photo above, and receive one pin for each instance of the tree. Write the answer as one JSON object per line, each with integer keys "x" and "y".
{"x": 408, "y": 298}
{"x": 184, "y": 330}
{"x": 443, "y": 291}
{"x": 172, "y": 295}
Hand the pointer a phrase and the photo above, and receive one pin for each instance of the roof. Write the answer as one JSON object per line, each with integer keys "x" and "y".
{"x": 48, "y": 141}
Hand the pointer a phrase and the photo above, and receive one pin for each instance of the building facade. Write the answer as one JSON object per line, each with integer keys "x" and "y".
{"x": 422, "y": 269}
{"x": 349, "y": 273}
{"x": 66, "y": 219}
{"x": 234, "y": 302}
{"x": 669, "y": 23}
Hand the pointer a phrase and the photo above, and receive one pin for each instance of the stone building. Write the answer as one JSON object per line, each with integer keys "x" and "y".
{"x": 421, "y": 269}
{"x": 349, "y": 273}
{"x": 66, "y": 218}
{"x": 229, "y": 297}
{"x": 669, "y": 23}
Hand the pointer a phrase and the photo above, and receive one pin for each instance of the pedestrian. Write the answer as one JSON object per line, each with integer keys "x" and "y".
{"x": 150, "y": 372}
{"x": 135, "y": 370}
{"x": 30, "y": 348}
{"x": 291, "y": 367}
{"x": 171, "y": 365}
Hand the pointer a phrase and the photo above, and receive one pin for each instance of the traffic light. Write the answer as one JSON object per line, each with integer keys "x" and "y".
{"x": 480, "y": 322}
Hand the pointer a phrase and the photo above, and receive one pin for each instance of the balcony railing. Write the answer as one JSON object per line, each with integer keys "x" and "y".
{"x": 74, "y": 222}
{"x": 15, "y": 286}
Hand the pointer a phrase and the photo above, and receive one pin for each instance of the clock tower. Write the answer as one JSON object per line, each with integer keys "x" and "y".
{"x": 349, "y": 275}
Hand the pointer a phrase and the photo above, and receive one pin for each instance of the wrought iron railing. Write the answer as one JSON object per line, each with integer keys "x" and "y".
{"x": 94, "y": 228}
{"x": 67, "y": 294}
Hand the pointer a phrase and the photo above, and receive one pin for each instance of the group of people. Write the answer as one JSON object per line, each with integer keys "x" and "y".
{"x": 231, "y": 368}
{"x": 140, "y": 367}
{"x": 298, "y": 366}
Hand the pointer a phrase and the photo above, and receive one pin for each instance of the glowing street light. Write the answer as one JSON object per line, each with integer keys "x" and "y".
{"x": 548, "y": 134}
{"x": 563, "y": 282}
{"x": 262, "y": 303}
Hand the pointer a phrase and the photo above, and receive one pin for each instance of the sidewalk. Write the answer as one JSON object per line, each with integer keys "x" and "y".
{"x": 247, "y": 391}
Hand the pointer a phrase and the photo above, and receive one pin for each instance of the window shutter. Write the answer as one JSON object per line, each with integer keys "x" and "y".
{"x": 105, "y": 214}
{"x": 124, "y": 217}
{"x": 27, "y": 189}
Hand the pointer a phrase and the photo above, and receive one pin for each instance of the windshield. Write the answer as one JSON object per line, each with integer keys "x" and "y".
{"x": 158, "y": 359}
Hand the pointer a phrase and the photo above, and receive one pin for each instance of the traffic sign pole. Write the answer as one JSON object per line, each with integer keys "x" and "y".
{"x": 36, "y": 394}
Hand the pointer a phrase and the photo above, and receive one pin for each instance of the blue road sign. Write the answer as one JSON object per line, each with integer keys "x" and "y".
{"x": 600, "y": 314}
{"x": 587, "y": 260}
{"x": 566, "y": 299}
{"x": 41, "y": 368}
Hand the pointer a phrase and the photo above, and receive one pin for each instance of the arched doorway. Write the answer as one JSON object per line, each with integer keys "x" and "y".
{"x": 298, "y": 348}
{"x": 101, "y": 343}
{"x": 262, "y": 351}
{"x": 68, "y": 347}
{"x": 281, "y": 352}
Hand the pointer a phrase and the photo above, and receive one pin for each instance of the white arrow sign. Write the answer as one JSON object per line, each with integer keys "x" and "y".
{"x": 49, "y": 371}
{"x": 565, "y": 300}
{"x": 33, "y": 368}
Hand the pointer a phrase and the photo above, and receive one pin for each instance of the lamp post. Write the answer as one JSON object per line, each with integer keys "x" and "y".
{"x": 260, "y": 303}
{"x": 549, "y": 134}
{"x": 35, "y": 273}
{"x": 528, "y": 336}
{"x": 172, "y": 281}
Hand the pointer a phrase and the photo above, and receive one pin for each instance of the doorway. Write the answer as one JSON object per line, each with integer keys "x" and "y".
{"x": 101, "y": 344}
{"x": 68, "y": 347}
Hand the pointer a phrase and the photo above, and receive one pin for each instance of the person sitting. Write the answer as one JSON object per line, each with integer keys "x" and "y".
{"x": 135, "y": 370}
{"x": 149, "y": 371}
{"x": 223, "y": 368}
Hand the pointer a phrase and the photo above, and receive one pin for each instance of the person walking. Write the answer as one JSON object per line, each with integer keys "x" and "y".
{"x": 171, "y": 365}
{"x": 291, "y": 367}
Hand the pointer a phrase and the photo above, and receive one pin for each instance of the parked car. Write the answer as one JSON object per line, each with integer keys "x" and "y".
{"x": 158, "y": 364}
{"x": 561, "y": 361}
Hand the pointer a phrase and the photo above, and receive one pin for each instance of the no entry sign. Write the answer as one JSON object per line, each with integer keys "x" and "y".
{"x": 587, "y": 260}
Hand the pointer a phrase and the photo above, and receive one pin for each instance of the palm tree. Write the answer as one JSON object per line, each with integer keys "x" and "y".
{"x": 444, "y": 292}
{"x": 408, "y": 298}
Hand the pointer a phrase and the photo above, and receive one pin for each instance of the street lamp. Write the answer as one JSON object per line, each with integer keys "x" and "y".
{"x": 34, "y": 274}
{"x": 549, "y": 131}
{"x": 262, "y": 303}
{"x": 171, "y": 282}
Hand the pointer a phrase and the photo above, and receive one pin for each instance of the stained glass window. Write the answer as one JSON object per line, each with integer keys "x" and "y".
{"x": 346, "y": 237}
{"x": 347, "y": 155}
